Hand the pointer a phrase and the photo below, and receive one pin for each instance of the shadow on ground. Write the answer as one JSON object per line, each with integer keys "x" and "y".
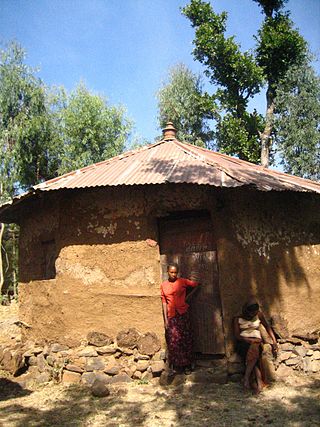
{"x": 10, "y": 389}
{"x": 189, "y": 405}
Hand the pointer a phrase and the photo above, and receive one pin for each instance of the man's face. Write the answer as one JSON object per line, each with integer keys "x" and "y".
{"x": 172, "y": 273}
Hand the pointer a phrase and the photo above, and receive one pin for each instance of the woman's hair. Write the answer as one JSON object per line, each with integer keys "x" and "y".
{"x": 250, "y": 308}
{"x": 172, "y": 264}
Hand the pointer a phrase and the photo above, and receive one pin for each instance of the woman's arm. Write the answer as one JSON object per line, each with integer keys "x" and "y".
{"x": 192, "y": 292}
{"x": 165, "y": 314}
{"x": 269, "y": 330}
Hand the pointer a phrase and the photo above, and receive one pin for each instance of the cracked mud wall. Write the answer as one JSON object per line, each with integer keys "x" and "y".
{"x": 104, "y": 247}
{"x": 106, "y": 261}
{"x": 269, "y": 246}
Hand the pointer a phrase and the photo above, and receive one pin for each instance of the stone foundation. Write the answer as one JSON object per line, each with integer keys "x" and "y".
{"x": 132, "y": 355}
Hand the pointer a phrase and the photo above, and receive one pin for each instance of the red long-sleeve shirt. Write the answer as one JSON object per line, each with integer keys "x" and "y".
{"x": 174, "y": 294}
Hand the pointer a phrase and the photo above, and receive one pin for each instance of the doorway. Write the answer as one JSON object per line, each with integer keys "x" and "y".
{"x": 187, "y": 239}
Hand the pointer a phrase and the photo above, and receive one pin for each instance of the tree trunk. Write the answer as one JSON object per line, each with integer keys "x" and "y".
{"x": 265, "y": 136}
{"x": 1, "y": 261}
{"x": 14, "y": 274}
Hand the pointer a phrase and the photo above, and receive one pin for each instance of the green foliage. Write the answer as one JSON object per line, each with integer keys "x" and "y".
{"x": 181, "y": 100}
{"x": 26, "y": 134}
{"x": 271, "y": 6}
{"x": 241, "y": 75}
{"x": 237, "y": 75}
{"x": 46, "y": 132}
{"x": 90, "y": 129}
{"x": 279, "y": 46}
{"x": 239, "y": 136}
{"x": 297, "y": 121}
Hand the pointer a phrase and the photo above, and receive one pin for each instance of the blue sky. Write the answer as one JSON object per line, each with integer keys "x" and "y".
{"x": 123, "y": 48}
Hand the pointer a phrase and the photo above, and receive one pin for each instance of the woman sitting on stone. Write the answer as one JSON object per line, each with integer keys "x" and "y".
{"x": 176, "y": 319}
{"x": 249, "y": 344}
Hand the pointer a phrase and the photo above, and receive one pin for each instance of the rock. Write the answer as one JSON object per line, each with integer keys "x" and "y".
{"x": 300, "y": 351}
{"x": 139, "y": 356}
{"x": 88, "y": 352}
{"x": 292, "y": 361}
{"x": 294, "y": 341}
{"x": 280, "y": 326}
{"x": 142, "y": 365}
{"x": 41, "y": 363}
{"x": 74, "y": 368}
{"x": 112, "y": 369}
{"x": 283, "y": 355}
{"x": 88, "y": 378}
{"x": 309, "y": 352}
{"x": 165, "y": 378}
{"x": 43, "y": 377}
{"x": 178, "y": 380}
{"x": 160, "y": 355}
{"x": 315, "y": 365}
{"x": 146, "y": 376}
{"x": 149, "y": 344}
{"x": 127, "y": 351}
{"x": 71, "y": 377}
{"x": 98, "y": 339}
{"x": 55, "y": 348}
{"x": 312, "y": 338}
{"x": 286, "y": 346}
{"x": 306, "y": 364}
{"x": 32, "y": 351}
{"x": 50, "y": 360}
{"x": 316, "y": 355}
{"x": 137, "y": 375}
{"x": 157, "y": 367}
{"x": 128, "y": 338}
{"x": 106, "y": 350}
{"x": 32, "y": 361}
{"x": 12, "y": 360}
{"x": 94, "y": 364}
{"x": 120, "y": 378}
{"x": 99, "y": 389}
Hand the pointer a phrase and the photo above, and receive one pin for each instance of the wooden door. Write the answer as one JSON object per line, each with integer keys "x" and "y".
{"x": 187, "y": 239}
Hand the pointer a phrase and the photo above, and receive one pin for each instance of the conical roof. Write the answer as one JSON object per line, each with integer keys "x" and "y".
{"x": 174, "y": 162}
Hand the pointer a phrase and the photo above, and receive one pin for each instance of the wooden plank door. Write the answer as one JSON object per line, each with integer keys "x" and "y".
{"x": 187, "y": 239}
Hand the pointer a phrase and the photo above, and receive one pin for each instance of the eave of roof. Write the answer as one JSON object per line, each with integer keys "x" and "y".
{"x": 171, "y": 161}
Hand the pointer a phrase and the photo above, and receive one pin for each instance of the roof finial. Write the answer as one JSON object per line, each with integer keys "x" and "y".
{"x": 169, "y": 132}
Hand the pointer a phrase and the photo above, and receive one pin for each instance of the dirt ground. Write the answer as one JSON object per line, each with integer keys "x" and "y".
{"x": 294, "y": 403}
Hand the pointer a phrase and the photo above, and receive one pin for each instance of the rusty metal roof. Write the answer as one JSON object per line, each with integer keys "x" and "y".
{"x": 171, "y": 161}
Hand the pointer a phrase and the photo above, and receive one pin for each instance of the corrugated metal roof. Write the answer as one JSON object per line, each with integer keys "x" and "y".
{"x": 171, "y": 161}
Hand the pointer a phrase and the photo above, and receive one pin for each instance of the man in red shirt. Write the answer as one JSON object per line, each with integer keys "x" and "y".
{"x": 176, "y": 319}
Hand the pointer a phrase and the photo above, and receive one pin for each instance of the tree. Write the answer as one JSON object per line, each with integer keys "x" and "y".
{"x": 241, "y": 75}
{"x": 90, "y": 129}
{"x": 28, "y": 151}
{"x": 181, "y": 100}
{"x": 297, "y": 121}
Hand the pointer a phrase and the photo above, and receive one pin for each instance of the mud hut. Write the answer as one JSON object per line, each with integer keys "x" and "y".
{"x": 94, "y": 244}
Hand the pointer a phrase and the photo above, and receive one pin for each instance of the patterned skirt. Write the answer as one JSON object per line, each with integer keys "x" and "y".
{"x": 179, "y": 340}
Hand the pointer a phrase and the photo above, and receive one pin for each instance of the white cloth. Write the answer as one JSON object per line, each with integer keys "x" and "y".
{"x": 250, "y": 328}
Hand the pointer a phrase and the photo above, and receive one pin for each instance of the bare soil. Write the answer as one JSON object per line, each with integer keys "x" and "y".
{"x": 294, "y": 402}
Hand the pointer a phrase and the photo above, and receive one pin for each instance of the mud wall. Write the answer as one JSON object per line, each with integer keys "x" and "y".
{"x": 90, "y": 259}
{"x": 269, "y": 246}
